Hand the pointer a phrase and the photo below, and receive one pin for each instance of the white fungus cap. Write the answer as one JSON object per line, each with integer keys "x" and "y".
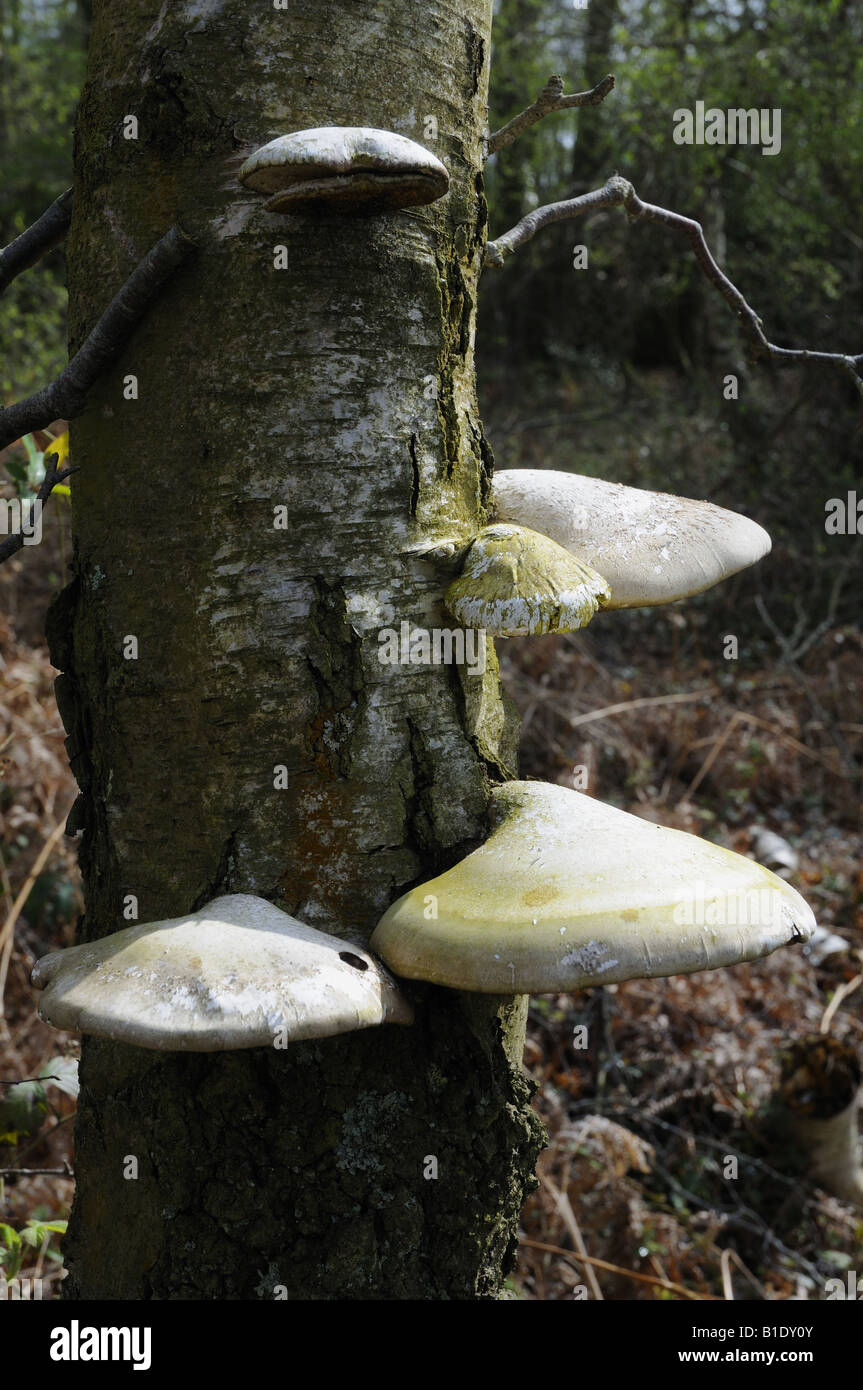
{"x": 352, "y": 167}
{"x": 516, "y": 582}
{"x": 238, "y": 973}
{"x": 567, "y": 892}
{"x": 651, "y": 547}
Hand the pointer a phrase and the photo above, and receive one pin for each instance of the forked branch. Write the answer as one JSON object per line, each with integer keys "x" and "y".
{"x": 551, "y": 98}
{"x": 65, "y": 398}
{"x": 619, "y": 192}
{"x": 32, "y": 245}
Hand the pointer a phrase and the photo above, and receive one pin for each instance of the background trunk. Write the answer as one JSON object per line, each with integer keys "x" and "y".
{"x": 594, "y": 149}
{"x": 259, "y": 647}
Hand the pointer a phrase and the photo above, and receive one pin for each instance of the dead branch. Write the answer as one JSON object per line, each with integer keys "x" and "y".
{"x": 551, "y": 98}
{"x": 65, "y": 398}
{"x": 32, "y": 244}
{"x": 619, "y": 192}
{"x": 27, "y": 1080}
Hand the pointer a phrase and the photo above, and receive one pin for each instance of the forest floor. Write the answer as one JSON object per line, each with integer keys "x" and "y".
{"x": 637, "y": 1197}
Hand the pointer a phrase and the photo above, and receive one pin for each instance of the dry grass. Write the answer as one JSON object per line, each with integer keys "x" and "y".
{"x": 680, "y": 1072}
{"x": 36, "y": 792}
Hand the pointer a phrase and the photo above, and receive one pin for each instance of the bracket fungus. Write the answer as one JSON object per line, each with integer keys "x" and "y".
{"x": 237, "y": 973}
{"x": 345, "y": 168}
{"x": 650, "y": 546}
{"x": 515, "y": 581}
{"x": 567, "y": 893}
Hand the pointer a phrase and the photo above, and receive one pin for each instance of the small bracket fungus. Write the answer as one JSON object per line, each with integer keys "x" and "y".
{"x": 515, "y": 582}
{"x": 237, "y": 973}
{"x": 568, "y": 892}
{"x": 651, "y": 547}
{"x": 346, "y": 168}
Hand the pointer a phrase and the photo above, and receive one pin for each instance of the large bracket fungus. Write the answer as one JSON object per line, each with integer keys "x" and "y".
{"x": 515, "y": 581}
{"x": 237, "y": 973}
{"x": 650, "y": 546}
{"x": 345, "y": 168}
{"x": 568, "y": 892}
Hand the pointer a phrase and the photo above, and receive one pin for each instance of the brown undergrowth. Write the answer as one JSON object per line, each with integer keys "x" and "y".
{"x": 659, "y": 1181}
{"x": 639, "y": 1197}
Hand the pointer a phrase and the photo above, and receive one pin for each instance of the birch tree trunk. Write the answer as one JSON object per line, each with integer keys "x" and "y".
{"x": 301, "y": 1172}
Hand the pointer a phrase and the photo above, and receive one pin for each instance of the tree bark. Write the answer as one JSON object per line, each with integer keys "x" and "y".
{"x": 294, "y": 1173}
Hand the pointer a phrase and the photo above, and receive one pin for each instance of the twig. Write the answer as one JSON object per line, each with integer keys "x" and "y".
{"x": 551, "y": 98}
{"x": 618, "y": 1269}
{"x": 800, "y": 648}
{"x": 846, "y": 757}
{"x": 13, "y": 543}
{"x": 619, "y": 192}
{"x": 65, "y": 398}
{"x": 575, "y": 721}
{"x": 565, "y": 1211}
{"x": 725, "y": 1266}
{"x": 786, "y": 738}
{"x": 847, "y": 987}
{"x": 717, "y": 748}
{"x": 32, "y": 245}
{"x": 742, "y": 717}
{"x": 7, "y": 932}
{"x": 25, "y": 1080}
{"x": 611, "y": 195}
{"x": 48, "y": 1134}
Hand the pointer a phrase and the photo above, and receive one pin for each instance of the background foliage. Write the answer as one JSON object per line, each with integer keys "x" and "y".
{"x": 618, "y": 370}
{"x": 42, "y": 49}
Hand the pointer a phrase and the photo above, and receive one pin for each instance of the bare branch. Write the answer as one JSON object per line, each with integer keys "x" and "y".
{"x": 26, "y": 1080}
{"x": 13, "y": 543}
{"x": 65, "y": 398}
{"x": 551, "y": 98}
{"x": 619, "y": 192}
{"x": 32, "y": 245}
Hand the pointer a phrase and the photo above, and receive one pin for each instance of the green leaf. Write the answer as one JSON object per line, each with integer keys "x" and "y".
{"x": 33, "y": 454}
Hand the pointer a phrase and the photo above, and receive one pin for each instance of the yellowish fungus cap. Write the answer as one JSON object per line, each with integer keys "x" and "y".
{"x": 516, "y": 582}
{"x": 568, "y": 892}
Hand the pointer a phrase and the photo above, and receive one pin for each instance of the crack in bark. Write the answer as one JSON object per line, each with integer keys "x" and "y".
{"x": 335, "y": 665}
{"x": 415, "y": 472}
{"x": 220, "y": 882}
